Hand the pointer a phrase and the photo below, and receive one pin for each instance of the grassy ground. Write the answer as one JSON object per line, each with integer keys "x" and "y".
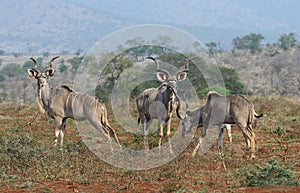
{"x": 29, "y": 162}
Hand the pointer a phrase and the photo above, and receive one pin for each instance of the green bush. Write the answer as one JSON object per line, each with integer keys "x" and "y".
{"x": 273, "y": 173}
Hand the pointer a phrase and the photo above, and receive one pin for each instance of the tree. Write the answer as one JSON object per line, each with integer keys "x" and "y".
{"x": 40, "y": 61}
{"x": 251, "y": 41}
{"x": 16, "y": 55}
{"x": 111, "y": 74}
{"x": 254, "y": 42}
{"x": 135, "y": 47}
{"x": 75, "y": 62}
{"x": 198, "y": 46}
{"x": 46, "y": 54}
{"x": 27, "y": 65}
{"x": 12, "y": 70}
{"x": 2, "y": 52}
{"x": 164, "y": 41}
{"x": 212, "y": 48}
{"x": 287, "y": 41}
{"x": 2, "y": 76}
{"x": 78, "y": 52}
{"x": 238, "y": 43}
{"x": 62, "y": 67}
{"x": 232, "y": 81}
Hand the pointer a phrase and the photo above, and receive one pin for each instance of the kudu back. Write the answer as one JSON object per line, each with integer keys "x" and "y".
{"x": 62, "y": 102}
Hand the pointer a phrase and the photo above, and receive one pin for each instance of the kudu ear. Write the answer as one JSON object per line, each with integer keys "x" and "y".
{"x": 32, "y": 73}
{"x": 181, "y": 75}
{"x": 49, "y": 72}
{"x": 162, "y": 75}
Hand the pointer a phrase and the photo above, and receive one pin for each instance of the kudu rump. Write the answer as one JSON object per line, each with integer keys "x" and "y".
{"x": 159, "y": 103}
{"x": 62, "y": 103}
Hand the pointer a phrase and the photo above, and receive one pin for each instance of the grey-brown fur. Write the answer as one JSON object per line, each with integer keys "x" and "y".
{"x": 62, "y": 102}
{"x": 231, "y": 109}
{"x": 221, "y": 129}
{"x": 159, "y": 103}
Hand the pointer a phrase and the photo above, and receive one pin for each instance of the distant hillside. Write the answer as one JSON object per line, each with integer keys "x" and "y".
{"x": 218, "y": 21}
{"x": 32, "y": 26}
{"x": 35, "y": 26}
{"x": 230, "y": 14}
{"x": 264, "y": 74}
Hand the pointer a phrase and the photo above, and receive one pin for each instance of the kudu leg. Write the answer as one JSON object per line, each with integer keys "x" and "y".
{"x": 100, "y": 127}
{"x": 105, "y": 131}
{"x": 56, "y": 135}
{"x": 169, "y": 135}
{"x": 161, "y": 133}
{"x": 203, "y": 134}
{"x": 228, "y": 129}
{"x": 221, "y": 129}
{"x": 197, "y": 147}
{"x": 113, "y": 133}
{"x": 62, "y": 131}
{"x": 252, "y": 142}
{"x": 249, "y": 138}
{"x": 146, "y": 124}
{"x": 59, "y": 130}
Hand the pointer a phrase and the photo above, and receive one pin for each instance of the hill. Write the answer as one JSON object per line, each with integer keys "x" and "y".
{"x": 66, "y": 25}
{"x": 51, "y": 25}
{"x": 264, "y": 74}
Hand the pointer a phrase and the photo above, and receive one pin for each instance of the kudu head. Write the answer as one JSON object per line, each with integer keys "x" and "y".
{"x": 41, "y": 77}
{"x": 171, "y": 80}
{"x": 192, "y": 118}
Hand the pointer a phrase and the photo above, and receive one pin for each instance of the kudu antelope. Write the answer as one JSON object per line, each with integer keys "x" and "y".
{"x": 62, "y": 103}
{"x": 159, "y": 103}
{"x": 230, "y": 109}
{"x": 191, "y": 119}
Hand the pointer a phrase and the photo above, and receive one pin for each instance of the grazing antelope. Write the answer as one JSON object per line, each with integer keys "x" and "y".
{"x": 192, "y": 117}
{"x": 159, "y": 103}
{"x": 231, "y": 109}
{"x": 62, "y": 103}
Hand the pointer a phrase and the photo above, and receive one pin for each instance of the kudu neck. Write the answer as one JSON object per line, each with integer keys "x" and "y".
{"x": 44, "y": 94}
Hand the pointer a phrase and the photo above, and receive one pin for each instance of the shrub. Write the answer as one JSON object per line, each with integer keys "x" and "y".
{"x": 272, "y": 173}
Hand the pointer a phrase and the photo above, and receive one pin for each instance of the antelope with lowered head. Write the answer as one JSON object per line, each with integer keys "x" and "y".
{"x": 159, "y": 103}
{"x": 192, "y": 118}
{"x": 62, "y": 103}
{"x": 230, "y": 109}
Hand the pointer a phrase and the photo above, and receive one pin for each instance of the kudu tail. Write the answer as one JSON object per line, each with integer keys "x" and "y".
{"x": 107, "y": 126}
{"x": 113, "y": 133}
{"x": 250, "y": 118}
{"x": 181, "y": 117}
{"x": 252, "y": 115}
{"x": 258, "y": 116}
